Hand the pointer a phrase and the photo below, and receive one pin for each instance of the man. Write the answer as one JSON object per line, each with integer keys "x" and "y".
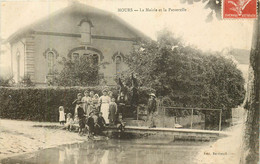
{"x": 151, "y": 109}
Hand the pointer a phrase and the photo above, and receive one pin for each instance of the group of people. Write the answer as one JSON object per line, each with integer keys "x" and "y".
{"x": 94, "y": 113}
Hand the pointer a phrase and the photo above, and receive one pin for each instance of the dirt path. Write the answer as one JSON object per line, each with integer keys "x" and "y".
{"x": 226, "y": 150}
{"x": 18, "y": 137}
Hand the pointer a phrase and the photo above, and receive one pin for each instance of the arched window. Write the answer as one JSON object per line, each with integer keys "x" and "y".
{"x": 118, "y": 60}
{"x": 50, "y": 58}
{"x": 75, "y": 56}
{"x": 18, "y": 56}
{"x": 95, "y": 58}
{"x": 85, "y": 30}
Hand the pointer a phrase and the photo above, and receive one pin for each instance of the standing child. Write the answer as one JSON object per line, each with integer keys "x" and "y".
{"x": 76, "y": 103}
{"x": 85, "y": 101}
{"x": 112, "y": 111}
{"x": 90, "y": 102}
{"x": 82, "y": 118}
{"x": 95, "y": 104}
{"x": 61, "y": 115}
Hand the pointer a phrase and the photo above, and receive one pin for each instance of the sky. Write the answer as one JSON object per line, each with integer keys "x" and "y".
{"x": 189, "y": 24}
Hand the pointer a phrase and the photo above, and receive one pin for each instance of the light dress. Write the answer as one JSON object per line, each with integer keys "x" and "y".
{"x": 61, "y": 116}
{"x": 104, "y": 101}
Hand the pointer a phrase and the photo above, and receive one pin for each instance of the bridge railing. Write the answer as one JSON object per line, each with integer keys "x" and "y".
{"x": 192, "y": 113}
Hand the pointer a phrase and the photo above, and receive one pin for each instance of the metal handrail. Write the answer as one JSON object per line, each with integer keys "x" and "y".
{"x": 192, "y": 109}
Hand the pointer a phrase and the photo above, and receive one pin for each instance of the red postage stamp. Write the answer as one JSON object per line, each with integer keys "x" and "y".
{"x": 239, "y": 9}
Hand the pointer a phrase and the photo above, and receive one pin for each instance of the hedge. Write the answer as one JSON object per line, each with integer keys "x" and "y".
{"x": 41, "y": 104}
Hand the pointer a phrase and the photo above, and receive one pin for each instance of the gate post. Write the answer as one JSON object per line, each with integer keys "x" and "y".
{"x": 191, "y": 122}
{"x": 220, "y": 120}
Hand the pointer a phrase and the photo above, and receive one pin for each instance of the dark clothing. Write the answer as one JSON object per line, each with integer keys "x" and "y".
{"x": 121, "y": 104}
{"x": 112, "y": 112}
{"x": 101, "y": 122}
{"x": 81, "y": 112}
{"x": 81, "y": 116}
{"x": 91, "y": 124}
{"x": 76, "y": 102}
{"x": 82, "y": 122}
{"x": 151, "y": 110}
{"x": 151, "y": 105}
{"x": 121, "y": 101}
{"x": 120, "y": 125}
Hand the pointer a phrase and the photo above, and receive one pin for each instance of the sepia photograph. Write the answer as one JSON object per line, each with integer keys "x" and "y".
{"x": 129, "y": 81}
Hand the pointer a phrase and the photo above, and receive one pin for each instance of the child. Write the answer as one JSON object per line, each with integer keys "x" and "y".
{"x": 69, "y": 122}
{"x": 95, "y": 102}
{"x": 112, "y": 111}
{"x": 90, "y": 102}
{"x": 82, "y": 119}
{"x": 85, "y": 101}
{"x": 76, "y": 103}
{"x": 92, "y": 121}
{"x": 101, "y": 123}
{"x": 61, "y": 115}
{"x": 120, "y": 124}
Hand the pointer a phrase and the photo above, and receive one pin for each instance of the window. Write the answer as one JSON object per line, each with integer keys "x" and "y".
{"x": 75, "y": 57}
{"x": 118, "y": 61}
{"x": 18, "y": 65}
{"x": 86, "y": 56}
{"x": 85, "y": 28}
{"x": 95, "y": 58}
{"x": 50, "y": 63}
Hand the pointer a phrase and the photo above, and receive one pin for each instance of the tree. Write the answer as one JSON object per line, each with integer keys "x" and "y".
{"x": 250, "y": 153}
{"x": 82, "y": 72}
{"x": 187, "y": 75}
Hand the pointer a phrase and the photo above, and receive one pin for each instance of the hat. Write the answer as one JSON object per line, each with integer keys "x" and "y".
{"x": 79, "y": 94}
{"x": 152, "y": 94}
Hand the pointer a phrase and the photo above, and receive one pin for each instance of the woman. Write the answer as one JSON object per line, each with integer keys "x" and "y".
{"x": 104, "y": 102}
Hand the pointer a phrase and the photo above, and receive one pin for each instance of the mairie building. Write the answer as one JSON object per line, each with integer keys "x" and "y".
{"x": 75, "y": 31}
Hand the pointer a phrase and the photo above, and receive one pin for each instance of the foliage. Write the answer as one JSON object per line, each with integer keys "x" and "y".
{"x": 41, "y": 104}
{"x": 82, "y": 72}
{"x": 213, "y": 5}
{"x": 6, "y": 81}
{"x": 187, "y": 75}
{"x": 26, "y": 81}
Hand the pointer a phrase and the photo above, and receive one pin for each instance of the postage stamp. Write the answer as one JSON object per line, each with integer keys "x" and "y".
{"x": 239, "y": 9}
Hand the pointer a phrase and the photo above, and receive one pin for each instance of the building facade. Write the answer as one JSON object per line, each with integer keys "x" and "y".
{"x": 75, "y": 31}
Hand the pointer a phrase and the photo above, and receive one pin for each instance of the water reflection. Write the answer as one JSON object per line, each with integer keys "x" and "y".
{"x": 115, "y": 151}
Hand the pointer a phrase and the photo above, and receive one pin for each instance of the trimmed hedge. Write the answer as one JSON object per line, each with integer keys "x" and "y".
{"x": 41, "y": 104}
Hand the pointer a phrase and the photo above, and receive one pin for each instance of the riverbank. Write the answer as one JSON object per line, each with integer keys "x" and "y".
{"x": 18, "y": 137}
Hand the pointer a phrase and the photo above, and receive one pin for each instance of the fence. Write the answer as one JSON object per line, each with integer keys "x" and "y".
{"x": 192, "y": 113}
{"x": 162, "y": 110}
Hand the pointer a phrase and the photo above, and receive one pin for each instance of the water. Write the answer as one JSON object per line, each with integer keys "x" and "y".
{"x": 135, "y": 151}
